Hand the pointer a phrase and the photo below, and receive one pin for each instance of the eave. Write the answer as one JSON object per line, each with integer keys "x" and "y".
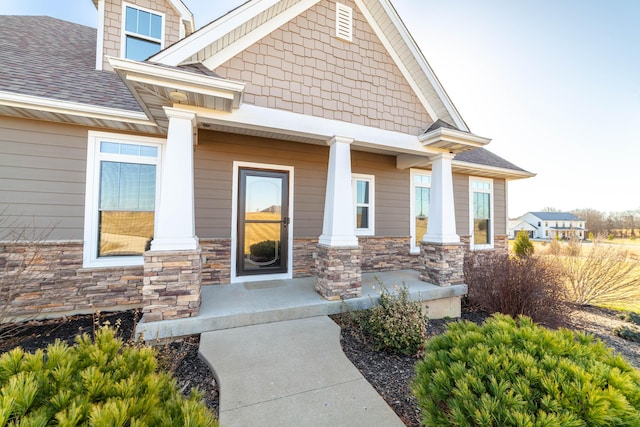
{"x": 156, "y": 86}
{"x": 452, "y": 140}
{"x": 48, "y": 109}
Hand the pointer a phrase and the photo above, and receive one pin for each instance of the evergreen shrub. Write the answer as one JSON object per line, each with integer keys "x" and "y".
{"x": 522, "y": 246}
{"x": 101, "y": 384}
{"x": 511, "y": 372}
{"x": 396, "y": 323}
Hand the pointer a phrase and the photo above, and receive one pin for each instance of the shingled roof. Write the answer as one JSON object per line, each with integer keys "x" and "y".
{"x": 51, "y": 58}
{"x": 482, "y": 156}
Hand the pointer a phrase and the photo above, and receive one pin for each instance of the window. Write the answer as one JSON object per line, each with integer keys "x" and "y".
{"x": 344, "y": 22}
{"x": 364, "y": 194}
{"x": 122, "y": 177}
{"x": 420, "y": 199}
{"x": 481, "y": 204}
{"x": 142, "y": 33}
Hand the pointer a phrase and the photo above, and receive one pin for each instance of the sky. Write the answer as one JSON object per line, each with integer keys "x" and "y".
{"x": 554, "y": 83}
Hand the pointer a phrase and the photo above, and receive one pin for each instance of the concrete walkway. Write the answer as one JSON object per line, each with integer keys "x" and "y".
{"x": 291, "y": 373}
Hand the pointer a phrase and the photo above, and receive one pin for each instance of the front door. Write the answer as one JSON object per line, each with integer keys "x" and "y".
{"x": 263, "y": 206}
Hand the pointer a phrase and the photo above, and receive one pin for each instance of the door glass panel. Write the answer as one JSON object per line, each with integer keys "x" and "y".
{"x": 263, "y": 198}
{"x": 262, "y": 246}
{"x": 263, "y": 224}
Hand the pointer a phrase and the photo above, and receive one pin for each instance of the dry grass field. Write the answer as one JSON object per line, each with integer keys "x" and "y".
{"x": 259, "y": 232}
{"x": 125, "y": 233}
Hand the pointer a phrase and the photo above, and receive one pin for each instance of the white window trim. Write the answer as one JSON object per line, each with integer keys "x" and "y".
{"x": 234, "y": 278}
{"x": 414, "y": 249}
{"x": 491, "y": 217}
{"x": 371, "y": 230}
{"x": 92, "y": 193}
{"x": 124, "y": 33}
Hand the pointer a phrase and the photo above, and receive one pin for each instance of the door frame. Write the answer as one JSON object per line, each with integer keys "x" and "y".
{"x": 234, "y": 278}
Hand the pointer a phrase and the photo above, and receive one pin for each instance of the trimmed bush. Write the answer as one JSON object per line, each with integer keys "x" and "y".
{"x": 628, "y": 333}
{"x": 514, "y": 373}
{"x": 102, "y": 384}
{"x": 531, "y": 286}
{"x": 396, "y": 323}
{"x": 522, "y": 246}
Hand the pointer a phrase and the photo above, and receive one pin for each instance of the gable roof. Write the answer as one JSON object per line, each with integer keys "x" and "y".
{"x": 228, "y": 35}
{"x": 556, "y": 216}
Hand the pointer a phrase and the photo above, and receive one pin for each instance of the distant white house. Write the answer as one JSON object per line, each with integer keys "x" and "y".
{"x": 548, "y": 225}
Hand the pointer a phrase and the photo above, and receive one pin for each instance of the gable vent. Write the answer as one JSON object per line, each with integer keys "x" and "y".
{"x": 344, "y": 22}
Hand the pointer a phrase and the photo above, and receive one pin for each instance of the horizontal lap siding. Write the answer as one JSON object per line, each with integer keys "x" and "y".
{"x": 214, "y": 159}
{"x": 42, "y": 178}
{"x": 461, "y": 202}
{"x": 392, "y": 188}
{"x": 500, "y": 200}
{"x": 217, "y": 151}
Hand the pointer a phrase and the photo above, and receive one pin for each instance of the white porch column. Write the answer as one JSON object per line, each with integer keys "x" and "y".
{"x": 338, "y": 227}
{"x": 441, "y": 227}
{"x": 175, "y": 216}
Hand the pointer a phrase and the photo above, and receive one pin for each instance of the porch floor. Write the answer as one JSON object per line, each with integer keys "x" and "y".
{"x": 252, "y": 303}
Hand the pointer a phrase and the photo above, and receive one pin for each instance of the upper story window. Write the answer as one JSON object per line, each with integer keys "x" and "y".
{"x": 364, "y": 195}
{"x": 421, "y": 195}
{"x": 143, "y": 33}
{"x": 122, "y": 177}
{"x": 481, "y": 204}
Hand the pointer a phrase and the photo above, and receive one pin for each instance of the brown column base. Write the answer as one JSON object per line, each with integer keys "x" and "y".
{"x": 171, "y": 285}
{"x": 443, "y": 263}
{"x": 338, "y": 272}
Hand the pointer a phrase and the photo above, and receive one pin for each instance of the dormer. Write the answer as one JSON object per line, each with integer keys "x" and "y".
{"x": 137, "y": 29}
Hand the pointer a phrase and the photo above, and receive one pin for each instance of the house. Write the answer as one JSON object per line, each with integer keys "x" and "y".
{"x": 549, "y": 225}
{"x": 284, "y": 139}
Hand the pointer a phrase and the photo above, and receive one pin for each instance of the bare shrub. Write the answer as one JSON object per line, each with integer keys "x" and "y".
{"x": 531, "y": 286}
{"x": 20, "y": 251}
{"x": 601, "y": 274}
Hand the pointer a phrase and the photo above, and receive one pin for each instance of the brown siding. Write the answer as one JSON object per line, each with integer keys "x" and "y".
{"x": 42, "y": 177}
{"x": 113, "y": 23}
{"x": 214, "y": 159}
{"x": 392, "y": 188}
{"x": 302, "y": 67}
{"x": 461, "y": 203}
{"x": 500, "y": 208}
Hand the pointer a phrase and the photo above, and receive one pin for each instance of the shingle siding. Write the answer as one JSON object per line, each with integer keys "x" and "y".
{"x": 302, "y": 67}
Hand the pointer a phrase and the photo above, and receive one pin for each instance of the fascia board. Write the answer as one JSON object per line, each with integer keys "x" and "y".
{"x": 189, "y": 46}
{"x": 510, "y": 174}
{"x": 254, "y": 36}
{"x": 73, "y": 108}
{"x": 426, "y": 68}
{"x": 452, "y": 135}
{"x": 295, "y": 124}
{"x": 161, "y": 75}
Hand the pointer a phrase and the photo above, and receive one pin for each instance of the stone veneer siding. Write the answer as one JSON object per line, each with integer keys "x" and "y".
{"x": 443, "y": 263}
{"x": 338, "y": 274}
{"x": 216, "y": 264}
{"x": 172, "y": 284}
{"x": 387, "y": 253}
{"x": 54, "y": 284}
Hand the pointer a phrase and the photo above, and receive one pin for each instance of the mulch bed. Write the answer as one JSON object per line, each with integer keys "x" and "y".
{"x": 390, "y": 374}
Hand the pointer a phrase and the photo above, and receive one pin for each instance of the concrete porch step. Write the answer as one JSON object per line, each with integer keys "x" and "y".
{"x": 253, "y": 303}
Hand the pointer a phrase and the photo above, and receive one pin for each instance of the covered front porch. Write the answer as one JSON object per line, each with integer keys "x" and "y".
{"x": 250, "y": 303}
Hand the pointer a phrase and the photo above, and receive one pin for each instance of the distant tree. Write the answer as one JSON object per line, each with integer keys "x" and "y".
{"x": 595, "y": 220}
{"x": 550, "y": 209}
{"x": 523, "y": 247}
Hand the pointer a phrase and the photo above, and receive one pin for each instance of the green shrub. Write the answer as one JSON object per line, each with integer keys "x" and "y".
{"x": 396, "y": 323}
{"x": 513, "y": 373}
{"x": 523, "y": 247}
{"x": 628, "y": 333}
{"x": 263, "y": 251}
{"x": 100, "y": 384}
